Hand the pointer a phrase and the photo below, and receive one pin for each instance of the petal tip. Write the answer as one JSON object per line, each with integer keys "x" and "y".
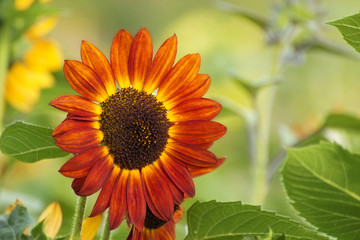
{"x": 143, "y": 32}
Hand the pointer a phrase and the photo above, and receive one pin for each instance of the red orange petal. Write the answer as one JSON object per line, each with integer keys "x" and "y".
{"x": 80, "y": 165}
{"x": 97, "y": 176}
{"x": 92, "y": 57}
{"x": 178, "y": 195}
{"x": 184, "y": 71}
{"x": 85, "y": 81}
{"x": 197, "y": 132}
{"x": 70, "y": 124}
{"x": 195, "y": 172}
{"x": 76, "y": 105}
{"x": 190, "y": 155}
{"x": 178, "y": 214}
{"x": 119, "y": 57}
{"x": 194, "y": 109}
{"x": 79, "y": 139}
{"x": 194, "y": 89}
{"x": 103, "y": 200}
{"x": 167, "y": 231}
{"x": 135, "y": 199}
{"x": 77, "y": 184}
{"x": 140, "y": 58}
{"x": 83, "y": 118}
{"x": 179, "y": 175}
{"x": 205, "y": 145}
{"x": 119, "y": 199}
{"x": 131, "y": 235}
{"x": 157, "y": 193}
{"x": 161, "y": 65}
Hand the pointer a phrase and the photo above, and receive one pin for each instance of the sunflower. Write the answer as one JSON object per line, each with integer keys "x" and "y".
{"x": 157, "y": 229}
{"x": 139, "y": 142}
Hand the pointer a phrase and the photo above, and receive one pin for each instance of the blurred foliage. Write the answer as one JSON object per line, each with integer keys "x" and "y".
{"x": 320, "y": 82}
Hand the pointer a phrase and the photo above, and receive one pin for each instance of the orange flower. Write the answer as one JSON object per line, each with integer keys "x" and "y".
{"x": 155, "y": 228}
{"x": 136, "y": 143}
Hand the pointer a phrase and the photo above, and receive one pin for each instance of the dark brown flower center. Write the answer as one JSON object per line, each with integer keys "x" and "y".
{"x": 135, "y": 128}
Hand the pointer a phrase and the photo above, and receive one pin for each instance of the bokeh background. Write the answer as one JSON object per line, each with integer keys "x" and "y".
{"x": 318, "y": 84}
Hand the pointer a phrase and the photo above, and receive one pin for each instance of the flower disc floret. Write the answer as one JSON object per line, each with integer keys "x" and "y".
{"x": 135, "y": 128}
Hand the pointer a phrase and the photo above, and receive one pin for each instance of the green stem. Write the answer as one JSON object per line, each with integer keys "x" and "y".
{"x": 106, "y": 231}
{"x": 263, "y": 108}
{"x": 4, "y": 64}
{"x": 78, "y": 218}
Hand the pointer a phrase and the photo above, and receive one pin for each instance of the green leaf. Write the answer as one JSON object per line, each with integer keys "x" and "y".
{"x": 37, "y": 233}
{"x": 29, "y": 143}
{"x": 13, "y": 225}
{"x": 269, "y": 236}
{"x": 234, "y": 220}
{"x": 350, "y": 29}
{"x": 323, "y": 183}
{"x": 345, "y": 121}
{"x": 7, "y": 233}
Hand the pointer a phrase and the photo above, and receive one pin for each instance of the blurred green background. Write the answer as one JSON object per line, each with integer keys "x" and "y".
{"x": 318, "y": 84}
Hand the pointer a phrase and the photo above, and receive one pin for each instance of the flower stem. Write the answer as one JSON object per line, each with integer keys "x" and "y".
{"x": 4, "y": 65}
{"x": 78, "y": 218}
{"x": 263, "y": 108}
{"x": 106, "y": 231}
{"x": 4, "y": 62}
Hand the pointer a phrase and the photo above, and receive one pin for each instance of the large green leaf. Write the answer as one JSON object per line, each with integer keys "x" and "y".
{"x": 350, "y": 29}
{"x": 323, "y": 182}
{"x": 234, "y": 220}
{"x": 29, "y": 143}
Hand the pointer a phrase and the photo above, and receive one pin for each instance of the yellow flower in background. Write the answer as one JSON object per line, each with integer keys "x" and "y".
{"x": 23, "y": 85}
{"x": 41, "y": 27}
{"x": 26, "y": 79}
{"x": 25, "y": 4}
{"x": 52, "y": 217}
{"x": 90, "y": 227}
{"x": 44, "y": 55}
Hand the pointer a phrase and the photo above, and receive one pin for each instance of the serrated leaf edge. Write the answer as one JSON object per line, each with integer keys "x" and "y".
{"x": 256, "y": 209}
